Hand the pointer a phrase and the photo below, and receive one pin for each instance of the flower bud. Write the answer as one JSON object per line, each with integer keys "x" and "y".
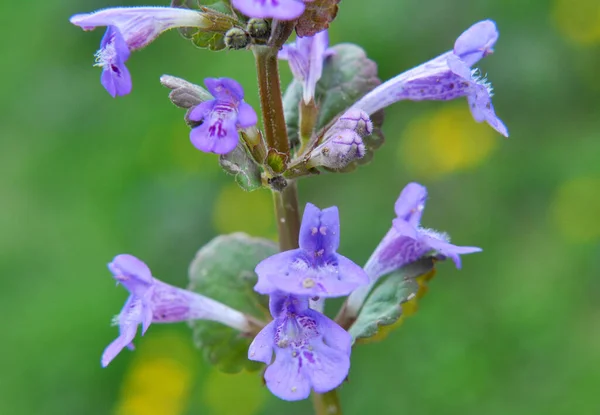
{"x": 356, "y": 120}
{"x": 339, "y": 149}
{"x": 236, "y": 38}
{"x": 258, "y": 28}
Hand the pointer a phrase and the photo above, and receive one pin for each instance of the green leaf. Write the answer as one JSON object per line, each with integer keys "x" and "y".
{"x": 394, "y": 298}
{"x": 224, "y": 270}
{"x": 209, "y": 40}
{"x": 240, "y": 164}
{"x": 347, "y": 76}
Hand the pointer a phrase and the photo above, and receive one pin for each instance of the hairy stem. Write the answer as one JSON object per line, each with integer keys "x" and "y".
{"x": 287, "y": 213}
{"x": 327, "y": 403}
{"x": 287, "y": 210}
{"x": 270, "y": 99}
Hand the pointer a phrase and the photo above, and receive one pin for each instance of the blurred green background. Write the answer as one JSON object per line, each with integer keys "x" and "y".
{"x": 85, "y": 177}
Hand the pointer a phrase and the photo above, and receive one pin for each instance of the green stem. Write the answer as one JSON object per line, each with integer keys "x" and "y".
{"x": 327, "y": 403}
{"x": 287, "y": 214}
{"x": 287, "y": 210}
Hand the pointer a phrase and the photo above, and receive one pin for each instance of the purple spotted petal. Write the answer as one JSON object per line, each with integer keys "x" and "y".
{"x": 311, "y": 350}
{"x": 111, "y": 57}
{"x": 320, "y": 230}
{"x": 276, "y": 9}
{"x": 297, "y": 273}
{"x": 218, "y": 134}
{"x": 201, "y": 111}
{"x": 333, "y": 335}
{"x": 411, "y": 203}
{"x": 476, "y": 42}
{"x": 261, "y": 348}
{"x": 153, "y": 301}
{"x": 246, "y": 116}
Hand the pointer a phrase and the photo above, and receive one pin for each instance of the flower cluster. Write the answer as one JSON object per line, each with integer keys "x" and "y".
{"x": 331, "y": 101}
{"x": 310, "y": 349}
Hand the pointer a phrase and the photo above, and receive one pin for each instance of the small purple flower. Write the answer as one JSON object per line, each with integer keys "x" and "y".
{"x": 311, "y": 350}
{"x": 315, "y": 269}
{"x": 407, "y": 241}
{"x": 446, "y": 77}
{"x": 306, "y": 57}
{"x": 111, "y": 57}
{"x": 276, "y": 9}
{"x": 153, "y": 301}
{"x": 130, "y": 29}
{"x": 221, "y": 117}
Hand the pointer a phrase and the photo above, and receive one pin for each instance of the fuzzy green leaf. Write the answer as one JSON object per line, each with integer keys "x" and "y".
{"x": 385, "y": 305}
{"x": 240, "y": 164}
{"x": 224, "y": 270}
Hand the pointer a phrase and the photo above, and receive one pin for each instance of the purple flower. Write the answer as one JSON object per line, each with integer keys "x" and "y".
{"x": 153, "y": 301}
{"x": 315, "y": 269}
{"x": 311, "y": 351}
{"x": 111, "y": 57}
{"x": 130, "y": 29}
{"x": 276, "y": 9}
{"x": 446, "y": 77}
{"x": 306, "y": 57}
{"x": 221, "y": 117}
{"x": 405, "y": 243}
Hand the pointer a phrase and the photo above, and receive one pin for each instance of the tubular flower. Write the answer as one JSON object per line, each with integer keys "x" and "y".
{"x": 306, "y": 57}
{"x": 221, "y": 117}
{"x": 315, "y": 269}
{"x": 153, "y": 301}
{"x": 446, "y": 77}
{"x": 130, "y": 29}
{"x": 406, "y": 242}
{"x": 276, "y": 9}
{"x": 311, "y": 350}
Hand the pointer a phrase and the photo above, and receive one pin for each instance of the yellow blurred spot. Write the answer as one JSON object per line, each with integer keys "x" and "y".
{"x": 575, "y": 210}
{"x": 160, "y": 378}
{"x": 409, "y": 308}
{"x": 246, "y": 388}
{"x": 445, "y": 141}
{"x": 579, "y": 20}
{"x": 239, "y": 211}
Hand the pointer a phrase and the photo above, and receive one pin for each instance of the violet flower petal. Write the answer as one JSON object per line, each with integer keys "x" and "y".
{"x": 320, "y": 230}
{"x": 306, "y": 57}
{"x": 285, "y": 379}
{"x": 261, "y": 348}
{"x": 111, "y": 57}
{"x": 411, "y": 203}
{"x": 246, "y": 116}
{"x": 476, "y": 42}
{"x": 276, "y": 9}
